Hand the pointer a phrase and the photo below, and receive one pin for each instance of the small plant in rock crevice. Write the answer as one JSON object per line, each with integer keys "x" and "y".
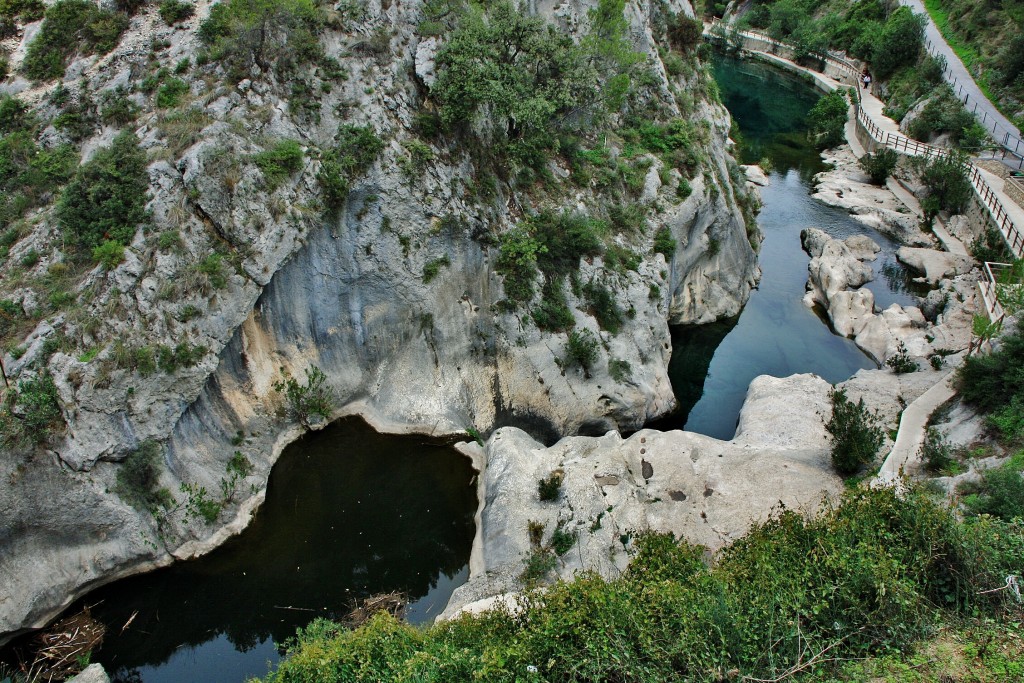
{"x": 314, "y": 398}
{"x": 550, "y": 488}
{"x": 900, "y": 362}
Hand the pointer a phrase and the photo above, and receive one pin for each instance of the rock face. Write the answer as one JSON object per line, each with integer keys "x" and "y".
{"x": 936, "y": 265}
{"x": 345, "y": 292}
{"x": 701, "y": 489}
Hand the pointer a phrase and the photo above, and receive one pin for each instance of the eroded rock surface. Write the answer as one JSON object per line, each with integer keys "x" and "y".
{"x": 699, "y": 488}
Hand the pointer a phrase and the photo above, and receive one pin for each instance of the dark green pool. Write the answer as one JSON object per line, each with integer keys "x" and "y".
{"x": 348, "y": 513}
{"x": 776, "y": 334}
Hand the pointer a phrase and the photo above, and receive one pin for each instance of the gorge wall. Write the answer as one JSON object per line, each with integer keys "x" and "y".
{"x": 344, "y": 291}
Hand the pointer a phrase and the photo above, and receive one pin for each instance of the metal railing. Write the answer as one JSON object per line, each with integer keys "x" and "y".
{"x": 1008, "y": 140}
{"x": 989, "y": 286}
{"x": 988, "y": 197}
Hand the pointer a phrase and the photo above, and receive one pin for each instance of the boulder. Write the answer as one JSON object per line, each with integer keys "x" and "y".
{"x": 936, "y": 265}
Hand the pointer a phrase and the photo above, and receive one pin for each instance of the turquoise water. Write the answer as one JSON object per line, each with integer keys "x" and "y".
{"x": 776, "y": 334}
{"x": 348, "y": 513}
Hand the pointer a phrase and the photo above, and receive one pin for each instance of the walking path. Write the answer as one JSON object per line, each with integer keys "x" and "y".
{"x": 957, "y": 75}
{"x": 912, "y": 431}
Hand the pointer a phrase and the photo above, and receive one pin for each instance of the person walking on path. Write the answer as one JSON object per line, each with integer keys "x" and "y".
{"x": 866, "y": 80}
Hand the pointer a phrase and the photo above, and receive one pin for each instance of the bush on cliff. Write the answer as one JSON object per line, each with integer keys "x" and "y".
{"x": 869, "y": 576}
{"x": 856, "y": 436}
{"x": 827, "y": 119}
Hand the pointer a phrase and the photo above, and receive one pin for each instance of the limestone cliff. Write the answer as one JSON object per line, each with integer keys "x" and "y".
{"x": 295, "y": 285}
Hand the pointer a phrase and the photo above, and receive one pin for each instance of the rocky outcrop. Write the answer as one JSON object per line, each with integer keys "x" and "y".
{"x": 342, "y": 291}
{"x": 846, "y": 186}
{"x": 934, "y": 264}
{"x": 836, "y": 272}
{"x": 699, "y": 488}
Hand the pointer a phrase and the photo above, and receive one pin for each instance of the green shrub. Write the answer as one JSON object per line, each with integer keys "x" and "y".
{"x": 664, "y": 242}
{"x": 991, "y": 382}
{"x": 212, "y": 268}
{"x": 550, "y": 488}
{"x": 433, "y": 267}
{"x": 1001, "y": 493}
{"x": 603, "y": 306}
{"x": 856, "y": 436}
{"x": 991, "y": 246}
{"x": 199, "y": 504}
{"x": 538, "y": 565}
{"x": 266, "y": 35}
{"x": 107, "y": 197}
{"x": 936, "y": 453}
{"x": 175, "y": 11}
{"x": 116, "y": 109}
{"x": 517, "y": 262}
{"x": 879, "y": 165}
{"x": 900, "y": 43}
{"x": 532, "y": 79}
{"x": 581, "y": 349}
{"x": 314, "y": 397}
{"x": 1009, "y": 420}
{"x": 901, "y": 362}
{"x": 869, "y": 576}
{"x": 619, "y": 370}
{"x": 183, "y": 355}
{"x": 138, "y": 479}
{"x": 947, "y": 186}
{"x": 561, "y": 540}
{"x": 552, "y": 314}
{"x": 70, "y": 27}
{"x": 30, "y": 414}
{"x": 110, "y": 254}
{"x": 280, "y": 161}
{"x": 355, "y": 149}
{"x": 827, "y": 119}
{"x": 170, "y": 93}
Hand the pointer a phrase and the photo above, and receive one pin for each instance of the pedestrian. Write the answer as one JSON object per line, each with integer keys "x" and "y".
{"x": 867, "y": 80}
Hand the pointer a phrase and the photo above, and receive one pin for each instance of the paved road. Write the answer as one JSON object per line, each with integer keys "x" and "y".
{"x": 963, "y": 83}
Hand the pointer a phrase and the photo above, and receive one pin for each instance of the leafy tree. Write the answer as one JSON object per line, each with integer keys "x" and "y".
{"x": 856, "y": 436}
{"x": 827, "y": 119}
{"x": 279, "y": 36}
{"x": 899, "y": 44}
{"x": 948, "y": 188}
{"x": 106, "y": 200}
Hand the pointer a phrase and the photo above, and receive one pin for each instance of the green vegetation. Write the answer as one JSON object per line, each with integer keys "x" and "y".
{"x": 988, "y": 39}
{"x": 879, "y": 165}
{"x": 581, "y": 349}
{"x": 106, "y": 199}
{"x": 936, "y": 453}
{"x": 116, "y": 109}
{"x": 314, "y": 397}
{"x": 29, "y": 173}
{"x": 901, "y": 362}
{"x": 551, "y": 243}
{"x": 71, "y": 27}
{"x": 30, "y": 414}
{"x": 619, "y": 370}
{"x": 856, "y": 436}
{"x": 169, "y": 94}
{"x": 279, "y": 36}
{"x": 531, "y": 80}
{"x": 561, "y": 540}
{"x": 994, "y": 384}
{"x": 176, "y": 11}
{"x": 109, "y": 253}
{"x": 664, "y": 242}
{"x": 827, "y": 119}
{"x": 943, "y": 114}
{"x": 603, "y": 307}
{"x": 900, "y": 43}
{"x": 432, "y": 267}
{"x": 355, "y": 149}
{"x": 948, "y": 189}
{"x": 1000, "y": 492}
{"x": 811, "y": 596}
{"x": 13, "y": 12}
{"x": 550, "y": 488}
{"x": 199, "y": 504}
{"x": 280, "y": 162}
{"x": 138, "y": 479}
